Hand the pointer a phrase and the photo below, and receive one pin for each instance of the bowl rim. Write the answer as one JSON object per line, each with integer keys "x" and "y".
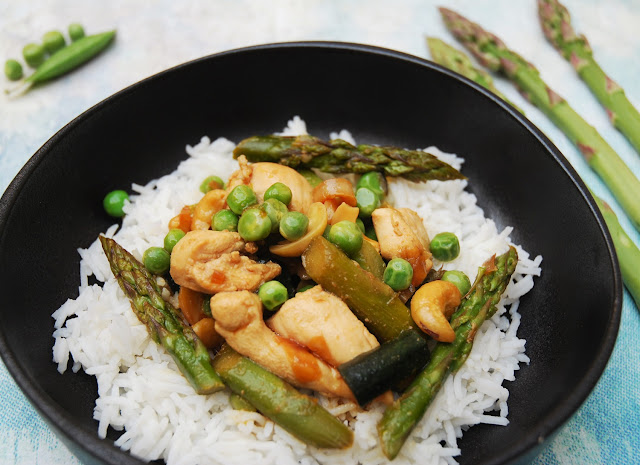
{"x": 92, "y": 447}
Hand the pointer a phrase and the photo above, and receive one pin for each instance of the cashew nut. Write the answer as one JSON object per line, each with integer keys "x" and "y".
{"x": 432, "y": 306}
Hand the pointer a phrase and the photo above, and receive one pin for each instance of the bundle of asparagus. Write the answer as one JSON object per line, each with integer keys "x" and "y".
{"x": 628, "y": 253}
{"x": 494, "y": 54}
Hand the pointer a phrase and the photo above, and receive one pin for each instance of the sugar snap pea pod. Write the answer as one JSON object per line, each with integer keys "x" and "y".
{"x": 297, "y": 413}
{"x": 67, "y": 59}
{"x": 165, "y": 324}
{"x": 478, "y": 305}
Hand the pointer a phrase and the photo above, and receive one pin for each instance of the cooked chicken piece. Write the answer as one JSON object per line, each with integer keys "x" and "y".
{"x": 267, "y": 174}
{"x": 323, "y": 323}
{"x": 241, "y": 175}
{"x": 401, "y": 233}
{"x": 210, "y": 262}
{"x": 261, "y": 176}
{"x": 238, "y": 317}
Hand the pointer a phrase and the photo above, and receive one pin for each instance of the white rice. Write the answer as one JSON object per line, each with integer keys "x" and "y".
{"x": 142, "y": 393}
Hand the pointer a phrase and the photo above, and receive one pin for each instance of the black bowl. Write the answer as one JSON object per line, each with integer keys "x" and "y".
{"x": 570, "y": 319}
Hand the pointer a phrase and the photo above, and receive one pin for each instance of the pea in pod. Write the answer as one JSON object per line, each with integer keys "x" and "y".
{"x": 67, "y": 59}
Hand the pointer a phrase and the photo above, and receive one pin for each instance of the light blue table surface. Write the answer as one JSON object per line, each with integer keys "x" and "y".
{"x": 156, "y": 35}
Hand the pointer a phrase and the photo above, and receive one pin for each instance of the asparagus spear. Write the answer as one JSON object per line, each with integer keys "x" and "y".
{"x": 494, "y": 54}
{"x": 165, "y": 324}
{"x": 628, "y": 253}
{"x": 556, "y": 24}
{"x": 455, "y": 60}
{"x": 479, "y": 305}
{"x": 339, "y": 156}
{"x": 299, "y": 414}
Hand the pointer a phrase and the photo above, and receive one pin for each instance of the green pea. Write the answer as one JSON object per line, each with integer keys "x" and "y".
{"x": 76, "y": 31}
{"x": 367, "y": 201}
{"x": 326, "y": 232}
{"x": 254, "y": 225}
{"x": 114, "y": 201}
{"x": 241, "y": 197}
{"x": 370, "y": 232}
{"x": 445, "y": 246}
{"x": 458, "y": 278}
{"x": 206, "y": 306}
{"x": 172, "y": 238}
{"x": 33, "y": 54}
{"x": 398, "y": 274}
{"x": 12, "y": 69}
{"x": 156, "y": 260}
{"x": 225, "y": 220}
{"x": 210, "y": 183}
{"x": 273, "y": 294}
{"x": 347, "y": 236}
{"x": 373, "y": 181}
{"x": 293, "y": 225}
{"x": 279, "y": 191}
{"x": 275, "y": 209}
{"x": 53, "y": 41}
{"x": 311, "y": 177}
{"x": 360, "y": 224}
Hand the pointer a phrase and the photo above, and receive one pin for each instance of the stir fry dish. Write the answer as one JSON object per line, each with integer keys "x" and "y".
{"x": 283, "y": 281}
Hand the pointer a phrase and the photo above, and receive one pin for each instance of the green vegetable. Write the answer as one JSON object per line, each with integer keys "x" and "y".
{"x": 311, "y": 177}
{"x": 238, "y": 402}
{"x": 156, "y": 260}
{"x": 339, "y": 156}
{"x": 379, "y": 370}
{"x": 114, "y": 201}
{"x": 279, "y": 191}
{"x": 306, "y": 288}
{"x": 172, "y": 238}
{"x": 479, "y": 305}
{"x": 556, "y": 24}
{"x": 33, "y": 54}
{"x": 398, "y": 274}
{"x": 370, "y": 232}
{"x": 326, "y": 232}
{"x": 369, "y": 259}
{"x": 445, "y": 246}
{"x": 373, "y": 181}
{"x": 210, "y": 183}
{"x": 165, "y": 324}
{"x": 76, "y": 31}
{"x": 458, "y": 61}
{"x": 459, "y": 279}
{"x": 300, "y": 415}
{"x": 372, "y": 301}
{"x": 241, "y": 197}
{"x": 53, "y": 41}
{"x": 494, "y": 54}
{"x": 627, "y": 252}
{"x": 254, "y": 225}
{"x": 225, "y": 220}
{"x": 65, "y": 59}
{"x": 360, "y": 224}
{"x": 13, "y": 70}
{"x": 275, "y": 209}
{"x": 293, "y": 225}
{"x": 347, "y": 236}
{"x": 273, "y": 294}
{"x": 367, "y": 201}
